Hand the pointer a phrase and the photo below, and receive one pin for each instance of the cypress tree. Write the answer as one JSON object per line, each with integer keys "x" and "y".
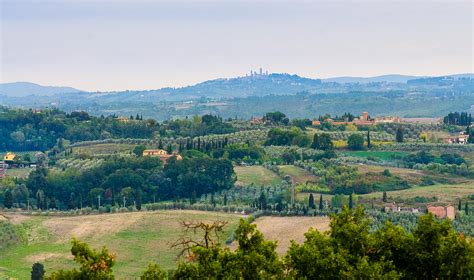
{"x": 466, "y": 208}
{"x": 369, "y": 145}
{"x": 399, "y": 135}
{"x": 311, "y": 201}
{"x": 459, "y": 205}
{"x": 350, "y": 202}
{"x": 225, "y": 199}
{"x": 384, "y": 197}
{"x": 321, "y": 206}
{"x": 138, "y": 199}
{"x": 8, "y": 201}
{"x": 37, "y": 271}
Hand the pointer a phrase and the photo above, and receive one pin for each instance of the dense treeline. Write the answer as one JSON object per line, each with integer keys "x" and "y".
{"x": 457, "y": 118}
{"x": 348, "y": 251}
{"x": 122, "y": 181}
{"x": 22, "y": 130}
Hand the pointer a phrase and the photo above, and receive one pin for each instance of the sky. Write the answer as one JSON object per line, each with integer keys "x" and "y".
{"x": 118, "y": 45}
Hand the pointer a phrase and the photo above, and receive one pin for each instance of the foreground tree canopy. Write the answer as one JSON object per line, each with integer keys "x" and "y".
{"x": 347, "y": 251}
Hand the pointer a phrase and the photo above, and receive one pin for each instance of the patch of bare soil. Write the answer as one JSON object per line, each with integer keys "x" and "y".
{"x": 15, "y": 218}
{"x": 41, "y": 257}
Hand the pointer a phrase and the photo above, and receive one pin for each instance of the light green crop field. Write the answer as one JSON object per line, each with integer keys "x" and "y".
{"x": 299, "y": 175}
{"x": 257, "y": 175}
{"x": 382, "y": 155}
{"x": 137, "y": 239}
{"x": 444, "y": 193}
{"x": 108, "y": 148}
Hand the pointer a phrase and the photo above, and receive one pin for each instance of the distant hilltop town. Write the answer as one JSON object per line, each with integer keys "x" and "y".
{"x": 260, "y": 73}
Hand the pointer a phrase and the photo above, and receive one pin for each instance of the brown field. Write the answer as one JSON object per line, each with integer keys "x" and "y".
{"x": 285, "y": 229}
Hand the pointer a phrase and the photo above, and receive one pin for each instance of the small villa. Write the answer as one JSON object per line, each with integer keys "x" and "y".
{"x": 457, "y": 139}
{"x": 9, "y": 158}
{"x": 162, "y": 154}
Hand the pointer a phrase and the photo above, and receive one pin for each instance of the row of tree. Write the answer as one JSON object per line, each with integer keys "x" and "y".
{"x": 456, "y": 118}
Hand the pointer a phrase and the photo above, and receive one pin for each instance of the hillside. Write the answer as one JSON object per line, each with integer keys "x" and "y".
{"x": 137, "y": 238}
{"x": 22, "y": 89}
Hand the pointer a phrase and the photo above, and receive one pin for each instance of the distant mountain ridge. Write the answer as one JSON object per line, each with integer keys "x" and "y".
{"x": 392, "y": 78}
{"x": 23, "y": 89}
{"x": 255, "y": 85}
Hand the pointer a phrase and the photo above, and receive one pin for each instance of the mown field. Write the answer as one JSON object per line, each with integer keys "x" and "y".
{"x": 137, "y": 238}
{"x": 18, "y": 172}
{"x": 299, "y": 175}
{"x": 257, "y": 175}
{"x": 284, "y": 229}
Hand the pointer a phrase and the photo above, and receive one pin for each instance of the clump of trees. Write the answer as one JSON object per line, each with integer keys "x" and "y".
{"x": 286, "y": 137}
{"x": 121, "y": 181}
{"x": 355, "y": 142}
{"x": 456, "y": 118}
{"x": 23, "y": 130}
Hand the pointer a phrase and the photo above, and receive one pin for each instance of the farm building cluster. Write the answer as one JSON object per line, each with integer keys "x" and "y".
{"x": 440, "y": 211}
{"x": 365, "y": 119}
{"x": 162, "y": 154}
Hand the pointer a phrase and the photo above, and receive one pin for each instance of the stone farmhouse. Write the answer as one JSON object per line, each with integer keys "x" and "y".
{"x": 456, "y": 139}
{"x": 162, "y": 154}
{"x": 442, "y": 211}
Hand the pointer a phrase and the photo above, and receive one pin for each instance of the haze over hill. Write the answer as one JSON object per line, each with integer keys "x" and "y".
{"x": 255, "y": 94}
{"x": 22, "y": 89}
{"x": 257, "y": 85}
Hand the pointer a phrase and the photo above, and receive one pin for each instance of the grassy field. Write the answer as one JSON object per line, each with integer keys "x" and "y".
{"x": 444, "y": 193}
{"x": 413, "y": 176}
{"x": 382, "y": 155}
{"x": 300, "y": 175}
{"x": 18, "y": 172}
{"x": 137, "y": 238}
{"x": 108, "y": 148}
{"x": 257, "y": 175}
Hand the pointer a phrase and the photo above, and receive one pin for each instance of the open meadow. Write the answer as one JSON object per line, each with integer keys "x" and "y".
{"x": 299, "y": 175}
{"x": 257, "y": 175}
{"x": 448, "y": 193}
{"x": 137, "y": 238}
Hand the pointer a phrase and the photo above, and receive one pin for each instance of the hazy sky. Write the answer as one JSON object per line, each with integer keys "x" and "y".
{"x": 118, "y": 45}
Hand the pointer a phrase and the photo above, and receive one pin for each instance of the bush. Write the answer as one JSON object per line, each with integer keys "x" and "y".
{"x": 355, "y": 142}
